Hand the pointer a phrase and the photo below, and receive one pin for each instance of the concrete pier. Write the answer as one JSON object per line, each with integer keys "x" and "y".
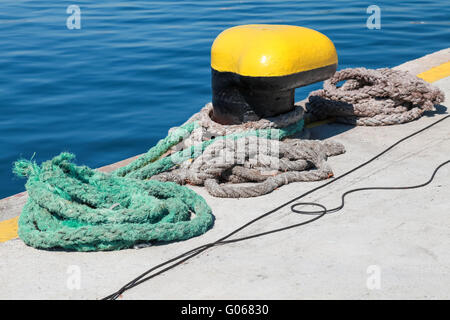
{"x": 382, "y": 245}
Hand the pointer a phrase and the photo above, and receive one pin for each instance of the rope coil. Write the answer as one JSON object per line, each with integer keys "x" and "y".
{"x": 298, "y": 160}
{"x": 77, "y": 208}
{"x": 252, "y": 165}
{"x": 377, "y": 97}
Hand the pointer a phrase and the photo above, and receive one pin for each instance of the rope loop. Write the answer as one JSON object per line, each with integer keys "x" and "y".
{"x": 373, "y": 97}
{"x": 76, "y": 208}
{"x": 25, "y": 168}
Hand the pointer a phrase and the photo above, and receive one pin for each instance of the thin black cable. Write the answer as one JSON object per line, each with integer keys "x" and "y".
{"x": 338, "y": 208}
{"x": 318, "y": 214}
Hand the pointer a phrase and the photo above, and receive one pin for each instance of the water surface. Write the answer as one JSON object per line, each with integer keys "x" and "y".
{"x": 113, "y": 88}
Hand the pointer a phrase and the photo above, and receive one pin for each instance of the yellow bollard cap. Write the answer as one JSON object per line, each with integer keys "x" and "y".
{"x": 256, "y": 68}
{"x": 260, "y": 50}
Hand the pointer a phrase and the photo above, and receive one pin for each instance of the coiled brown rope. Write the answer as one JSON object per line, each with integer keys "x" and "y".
{"x": 297, "y": 160}
{"x": 251, "y": 166}
{"x": 369, "y": 97}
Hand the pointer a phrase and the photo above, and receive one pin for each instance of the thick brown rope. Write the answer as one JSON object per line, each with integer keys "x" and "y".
{"x": 373, "y": 97}
{"x": 227, "y": 166}
{"x": 253, "y": 161}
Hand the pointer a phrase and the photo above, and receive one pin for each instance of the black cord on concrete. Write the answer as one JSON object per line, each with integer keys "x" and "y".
{"x": 317, "y": 215}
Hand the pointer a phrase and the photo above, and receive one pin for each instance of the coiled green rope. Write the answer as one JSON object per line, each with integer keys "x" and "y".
{"x": 76, "y": 208}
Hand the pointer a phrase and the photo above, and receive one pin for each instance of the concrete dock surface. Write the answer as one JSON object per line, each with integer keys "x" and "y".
{"x": 382, "y": 245}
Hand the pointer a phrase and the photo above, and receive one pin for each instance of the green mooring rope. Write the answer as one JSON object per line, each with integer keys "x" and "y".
{"x": 76, "y": 208}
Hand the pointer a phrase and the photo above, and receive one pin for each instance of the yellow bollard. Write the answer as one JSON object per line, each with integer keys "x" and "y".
{"x": 256, "y": 68}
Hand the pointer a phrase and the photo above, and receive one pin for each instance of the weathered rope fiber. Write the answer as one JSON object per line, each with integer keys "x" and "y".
{"x": 77, "y": 208}
{"x": 373, "y": 97}
{"x": 251, "y": 165}
{"x": 204, "y": 119}
{"x": 192, "y": 138}
{"x": 222, "y": 162}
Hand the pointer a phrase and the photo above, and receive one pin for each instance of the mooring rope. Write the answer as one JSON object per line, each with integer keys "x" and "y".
{"x": 198, "y": 137}
{"x": 252, "y": 165}
{"x": 76, "y": 208}
{"x": 377, "y": 97}
{"x": 297, "y": 160}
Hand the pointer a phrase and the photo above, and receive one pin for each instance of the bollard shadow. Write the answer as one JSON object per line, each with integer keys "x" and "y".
{"x": 329, "y": 127}
{"x": 334, "y": 128}
{"x": 440, "y": 109}
{"x": 328, "y": 130}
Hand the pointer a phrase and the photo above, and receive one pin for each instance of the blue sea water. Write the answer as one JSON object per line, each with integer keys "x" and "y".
{"x": 113, "y": 88}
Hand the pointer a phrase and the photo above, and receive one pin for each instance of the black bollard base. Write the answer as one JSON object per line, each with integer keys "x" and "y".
{"x": 237, "y": 99}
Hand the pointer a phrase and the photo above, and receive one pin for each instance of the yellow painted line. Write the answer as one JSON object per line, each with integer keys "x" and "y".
{"x": 434, "y": 74}
{"x": 319, "y": 123}
{"x": 8, "y": 229}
